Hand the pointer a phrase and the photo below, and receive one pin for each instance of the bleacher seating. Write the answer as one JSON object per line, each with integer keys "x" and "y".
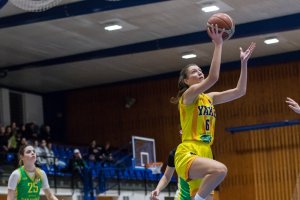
{"x": 120, "y": 170}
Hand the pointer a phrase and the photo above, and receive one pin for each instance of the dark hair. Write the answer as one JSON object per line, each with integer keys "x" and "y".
{"x": 37, "y": 176}
{"x": 182, "y": 86}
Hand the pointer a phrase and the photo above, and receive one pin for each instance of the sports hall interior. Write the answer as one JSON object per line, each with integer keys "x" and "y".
{"x": 256, "y": 137}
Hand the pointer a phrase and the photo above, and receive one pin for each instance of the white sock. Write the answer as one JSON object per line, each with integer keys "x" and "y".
{"x": 197, "y": 197}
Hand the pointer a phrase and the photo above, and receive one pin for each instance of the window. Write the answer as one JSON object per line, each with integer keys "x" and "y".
{"x": 16, "y": 107}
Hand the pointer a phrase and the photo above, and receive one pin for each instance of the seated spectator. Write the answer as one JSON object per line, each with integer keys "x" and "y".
{"x": 3, "y": 140}
{"x": 107, "y": 154}
{"x": 3, "y": 146}
{"x": 110, "y": 159}
{"x": 93, "y": 151}
{"x": 14, "y": 127}
{"x": 52, "y": 159}
{"x": 50, "y": 154}
{"x": 41, "y": 155}
{"x": 22, "y": 142}
{"x": 107, "y": 149}
{"x": 18, "y": 140}
{"x": 45, "y": 133}
{"x": 32, "y": 131}
{"x": 22, "y": 131}
{"x": 12, "y": 140}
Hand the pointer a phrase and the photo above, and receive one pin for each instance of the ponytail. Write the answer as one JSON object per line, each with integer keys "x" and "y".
{"x": 37, "y": 175}
{"x": 182, "y": 86}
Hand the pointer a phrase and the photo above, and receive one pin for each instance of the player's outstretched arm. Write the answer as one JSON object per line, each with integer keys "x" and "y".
{"x": 195, "y": 89}
{"x": 240, "y": 89}
{"x": 163, "y": 182}
{"x": 293, "y": 105}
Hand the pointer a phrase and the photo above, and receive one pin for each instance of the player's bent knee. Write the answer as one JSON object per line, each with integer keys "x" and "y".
{"x": 221, "y": 170}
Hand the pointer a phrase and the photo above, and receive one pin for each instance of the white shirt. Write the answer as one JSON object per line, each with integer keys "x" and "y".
{"x": 15, "y": 176}
{"x": 40, "y": 155}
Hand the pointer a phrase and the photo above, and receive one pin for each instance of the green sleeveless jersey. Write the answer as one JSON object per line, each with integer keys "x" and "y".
{"x": 28, "y": 188}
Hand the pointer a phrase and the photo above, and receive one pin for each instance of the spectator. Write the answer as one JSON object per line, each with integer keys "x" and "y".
{"x": 3, "y": 140}
{"x": 12, "y": 140}
{"x": 35, "y": 144}
{"x": 14, "y": 127}
{"x": 107, "y": 154}
{"x": 80, "y": 169}
{"x": 93, "y": 151}
{"x": 45, "y": 133}
{"x": 32, "y": 131}
{"x": 22, "y": 142}
{"x": 52, "y": 159}
{"x": 107, "y": 148}
{"x": 23, "y": 132}
{"x": 76, "y": 164}
{"x": 18, "y": 140}
{"x": 110, "y": 159}
{"x": 40, "y": 154}
{"x": 3, "y": 146}
{"x": 43, "y": 152}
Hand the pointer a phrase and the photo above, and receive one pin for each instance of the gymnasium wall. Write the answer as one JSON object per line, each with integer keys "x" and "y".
{"x": 32, "y": 107}
{"x": 4, "y": 106}
{"x": 100, "y": 113}
{"x": 262, "y": 164}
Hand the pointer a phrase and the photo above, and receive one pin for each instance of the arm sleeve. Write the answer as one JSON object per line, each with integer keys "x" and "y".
{"x": 45, "y": 183}
{"x": 171, "y": 157}
{"x": 13, "y": 180}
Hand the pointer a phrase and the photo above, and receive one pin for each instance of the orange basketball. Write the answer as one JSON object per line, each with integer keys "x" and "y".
{"x": 223, "y": 21}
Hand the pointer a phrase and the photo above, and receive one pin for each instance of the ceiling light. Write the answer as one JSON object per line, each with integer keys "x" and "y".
{"x": 210, "y": 8}
{"x": 271, "y": 40}
{"x": 188, "y": 55}
{"x": 117, "y": 24}
{"x": 113, "y": 27}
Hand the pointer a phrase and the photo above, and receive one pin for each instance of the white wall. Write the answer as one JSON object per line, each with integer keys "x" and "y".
{"x": 32, "y": 104}
{"x": 4, "y": 106}
{"x": 33, "y": 108}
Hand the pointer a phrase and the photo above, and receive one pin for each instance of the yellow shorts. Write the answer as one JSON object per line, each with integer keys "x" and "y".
{"x": 186, "y": 152}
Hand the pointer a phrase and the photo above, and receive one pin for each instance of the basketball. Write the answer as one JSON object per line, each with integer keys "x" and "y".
{"x": 223, "y": 21}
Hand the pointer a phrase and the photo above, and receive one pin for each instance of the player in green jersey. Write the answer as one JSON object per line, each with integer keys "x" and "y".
{"x": 26, "y": 181}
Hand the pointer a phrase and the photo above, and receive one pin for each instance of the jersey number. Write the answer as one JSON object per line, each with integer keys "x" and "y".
{"x": 33, "y": 188}
{"x": 207, "y": 125}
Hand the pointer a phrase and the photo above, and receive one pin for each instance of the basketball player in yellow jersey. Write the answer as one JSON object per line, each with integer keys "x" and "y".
{"x": 193, "y": 157}
{"x": 26, "y": 181}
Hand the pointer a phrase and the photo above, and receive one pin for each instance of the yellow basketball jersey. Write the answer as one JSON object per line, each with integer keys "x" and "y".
{"x": 198, "y": 119}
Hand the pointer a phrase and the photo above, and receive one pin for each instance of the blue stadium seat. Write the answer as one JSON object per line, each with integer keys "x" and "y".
{"x": 10, "y": 157}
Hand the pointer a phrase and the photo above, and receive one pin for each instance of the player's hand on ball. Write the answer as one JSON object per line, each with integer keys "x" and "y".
{"x": 215, "y": 34}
